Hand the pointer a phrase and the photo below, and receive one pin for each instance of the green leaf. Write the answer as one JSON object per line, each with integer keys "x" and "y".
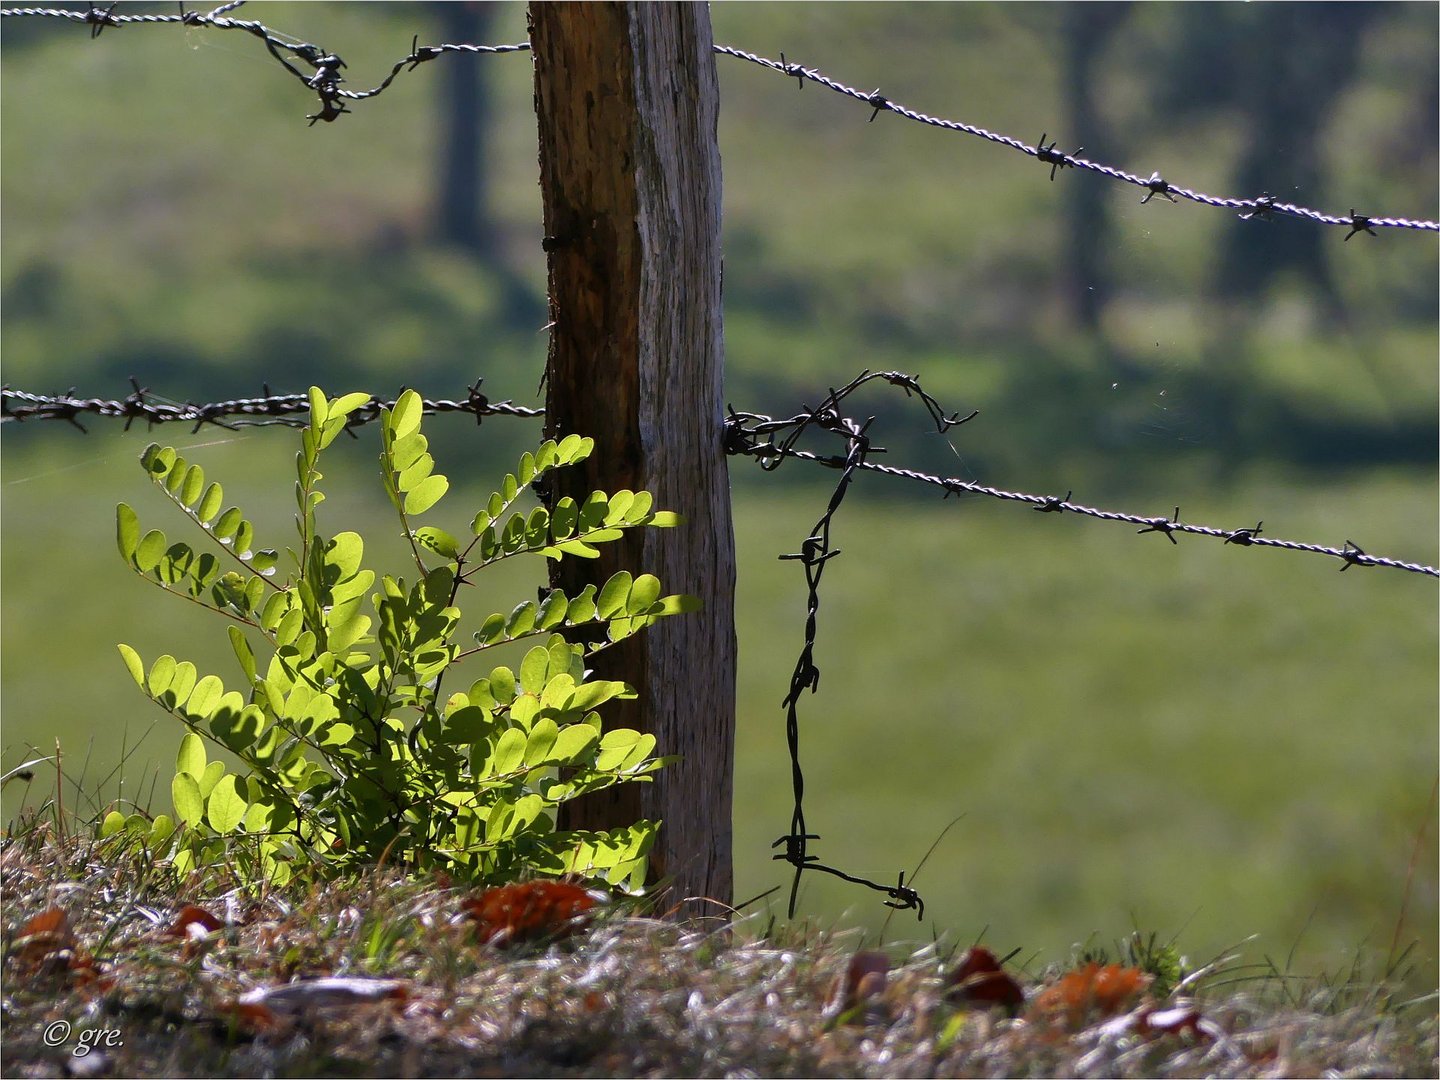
{"x": 177, "y": 691}
{"x": 263, "y": 561}
{"x": 643, "y": 593}
{"x": 582, "y": 607}
{"x": 619, "y": 504}
{"x": 236, "y": 728}
{"x": 344, "y": 406}
{"x": 161, "y": 672}
{"x": 242, "y": 651}
{"x": 176, "y": 476}
{"x": 415, "y": 472}
{"x": 337, "y": 734}
{"x": 161, "y": 830}
{"x": 541, "y": 742}
{"x": 192, "y": 485}
{"x": 345, "y": 551}
{"x": 405, "y": 417}
{"x": 114, "y": 822}
{"x": 613, "y": 595}
{"x": 229, "y": 521}
{"x": 149, "y": 551}
{"x": 552, "y": 611}
{"x": 574, "y": 448}
{"x": 438, "y": 541}
{"x": 213, "y": 772}
{"x": 319, "y": 408}
{"x": 225, "y": 808}
{"x": 210, "y": 503}
{"x": 127, "y": 531}
{"x": 466, "y": 725}
{"x": 492, "y": 630}
{"x": 205, "y": 697}
{"x": 133, "y": 664}
{"x": 675, "y": 605}
{"x": 407, "y": 451}
{"x": 157, "y": 459}
{"x": 578, "y": 548}
{"x": 564, "y": 518}
{"x": 537, "y": 528}
{"x": 534, "y": 670}
{"x": 185, "y": 793}
{"x": 509, "y": 752}
{"x": 426, "y": 495}
{"x": 574, "y": 743}
{"x": 521, "y": 621}
{"x": 502, "y": 685}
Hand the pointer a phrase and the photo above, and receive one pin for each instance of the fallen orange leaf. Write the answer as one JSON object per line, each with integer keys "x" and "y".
{"x": 529, "y": 910}
{"x": 1092, "y": 990}
{"x": 43, "y": 936}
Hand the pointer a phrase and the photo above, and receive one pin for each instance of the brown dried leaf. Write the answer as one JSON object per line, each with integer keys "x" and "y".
{"x": 194, "y": 923}
{"x": 980, "y": 980}
{"x": 863, "y": 978}
{"x": 42, "y": 937}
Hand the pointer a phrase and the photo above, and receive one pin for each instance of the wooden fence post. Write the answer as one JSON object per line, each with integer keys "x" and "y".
{"x": 627, "y": 102}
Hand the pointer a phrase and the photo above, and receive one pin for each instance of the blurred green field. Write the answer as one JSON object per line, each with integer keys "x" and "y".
{"x": 1196, "y": 740}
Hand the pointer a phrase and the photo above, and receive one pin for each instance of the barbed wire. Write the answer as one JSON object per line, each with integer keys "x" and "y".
{"x": 754, "y": 435}
{"x": 746, "y": 434}
{"x": 814, "y": 554}
{"x": 326, "y": 82}
{"x": 287, "y": 410}
{"x": 1262, "y": 207}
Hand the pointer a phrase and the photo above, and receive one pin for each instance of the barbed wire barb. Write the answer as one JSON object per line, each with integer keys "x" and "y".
{"x": 1262, "y": 207}
{"x": 325, "y": 81}
{"x": 771, "y": 442}
{"x": 287, "y": 410}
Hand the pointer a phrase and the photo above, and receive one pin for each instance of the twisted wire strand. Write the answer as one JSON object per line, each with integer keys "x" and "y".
{"x": 287, "y": 410}
{"x": 326, "y": 82}
{"x": 1260, "y": 207}
{"x": 1350, "y": 554}
{"x": 746, "y": 434}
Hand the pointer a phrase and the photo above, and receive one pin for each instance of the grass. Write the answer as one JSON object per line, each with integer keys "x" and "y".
{"x": 631, "y": 996}
{"x": 1196, "y": 737}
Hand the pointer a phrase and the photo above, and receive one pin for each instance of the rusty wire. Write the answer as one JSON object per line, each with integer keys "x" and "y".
{"x": 325, "y": 80}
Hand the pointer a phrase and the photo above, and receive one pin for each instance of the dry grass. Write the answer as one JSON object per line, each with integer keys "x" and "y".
{"x": 632, "y": 996}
